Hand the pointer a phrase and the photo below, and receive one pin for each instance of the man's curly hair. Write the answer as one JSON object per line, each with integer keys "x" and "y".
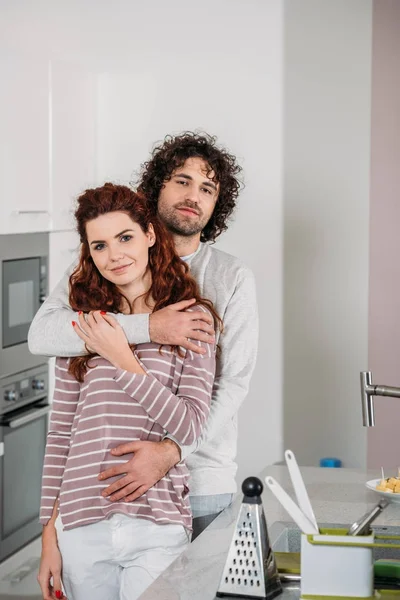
{"x": 172, "y": 153}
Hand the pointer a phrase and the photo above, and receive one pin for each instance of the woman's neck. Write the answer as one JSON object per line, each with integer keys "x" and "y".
{"x": 136, "y": 297}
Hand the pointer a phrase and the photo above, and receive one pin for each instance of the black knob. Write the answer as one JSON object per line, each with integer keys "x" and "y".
{"x": 10, "y": 395}
{"x": 252, "y": 487}
{"x": 37, "y": 384}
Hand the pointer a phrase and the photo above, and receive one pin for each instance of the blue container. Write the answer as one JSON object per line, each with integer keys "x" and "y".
{"x": 330, "y": 462}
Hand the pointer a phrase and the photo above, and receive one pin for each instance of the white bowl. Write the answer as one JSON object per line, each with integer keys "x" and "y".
{"x": 371, "y": 485}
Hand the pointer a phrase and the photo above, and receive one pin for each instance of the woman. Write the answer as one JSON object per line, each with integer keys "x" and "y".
{"x": 113, "y": 550}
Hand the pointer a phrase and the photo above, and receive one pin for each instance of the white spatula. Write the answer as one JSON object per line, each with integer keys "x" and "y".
{"x": 300, "y": 489}
{"x": 291, "y": 507}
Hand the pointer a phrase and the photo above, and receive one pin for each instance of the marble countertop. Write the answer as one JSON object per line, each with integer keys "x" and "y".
{"x": 337, "y": 496}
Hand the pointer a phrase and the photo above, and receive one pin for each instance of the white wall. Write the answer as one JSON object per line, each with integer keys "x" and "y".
{"x": 168, "y": 66}
{"x": 230, "y": 86}
{"x": 326, "y": 226}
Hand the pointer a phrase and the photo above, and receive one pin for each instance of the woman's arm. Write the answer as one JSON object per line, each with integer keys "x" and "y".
{"x": 50, "y": 560}
{"x": 182, "y": 414}
{"x": 66, "y": 396}
{"x": 65, "y": 400}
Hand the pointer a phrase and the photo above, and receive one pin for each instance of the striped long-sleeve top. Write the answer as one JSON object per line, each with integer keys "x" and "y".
{"x": 111, "y": 407}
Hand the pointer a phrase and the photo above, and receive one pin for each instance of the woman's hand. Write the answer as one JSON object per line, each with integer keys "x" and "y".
{"x": 104, "y": 336}
{"x": 50, "y": 567}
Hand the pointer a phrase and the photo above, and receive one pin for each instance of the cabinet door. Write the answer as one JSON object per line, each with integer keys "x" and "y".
{"x": 24, "y": 144}
{"x": 73, "y": 92}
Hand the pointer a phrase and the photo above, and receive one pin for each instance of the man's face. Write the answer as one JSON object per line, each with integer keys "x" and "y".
{"x": 187, "y": 201}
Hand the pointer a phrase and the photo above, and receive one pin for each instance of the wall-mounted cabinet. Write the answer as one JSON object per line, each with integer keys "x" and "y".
{"x": 47, "y": 142}
{"x": 24, "y": 144}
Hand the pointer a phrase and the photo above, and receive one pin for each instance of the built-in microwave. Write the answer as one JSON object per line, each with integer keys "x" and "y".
{"x": 23, "y": 287}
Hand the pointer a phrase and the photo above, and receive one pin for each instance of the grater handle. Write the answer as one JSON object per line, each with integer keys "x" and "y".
{"x": 291, "y": 507}
{"x": 300, "y": 489}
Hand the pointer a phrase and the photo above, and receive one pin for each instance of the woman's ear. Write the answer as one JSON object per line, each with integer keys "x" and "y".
{"x": 151, "y": 235}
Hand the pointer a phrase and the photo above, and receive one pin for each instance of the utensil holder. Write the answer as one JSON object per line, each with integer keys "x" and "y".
{"x": 335, "y": 564}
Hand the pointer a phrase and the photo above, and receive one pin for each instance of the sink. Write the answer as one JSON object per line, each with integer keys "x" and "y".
{"x": 286, "y": 537}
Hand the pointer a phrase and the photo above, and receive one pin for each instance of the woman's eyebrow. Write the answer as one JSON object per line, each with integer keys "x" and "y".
{"x": 115, "y": 236}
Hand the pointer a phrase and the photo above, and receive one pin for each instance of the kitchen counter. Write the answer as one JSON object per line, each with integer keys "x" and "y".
{"x": 337, "y": 496}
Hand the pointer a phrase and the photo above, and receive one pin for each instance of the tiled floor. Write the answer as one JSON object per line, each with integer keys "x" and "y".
{"x": 18, "y": 574}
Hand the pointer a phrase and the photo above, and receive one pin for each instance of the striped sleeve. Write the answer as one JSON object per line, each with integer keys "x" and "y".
{"x": 65, "y": 400}
{"x": 182, "y": 414}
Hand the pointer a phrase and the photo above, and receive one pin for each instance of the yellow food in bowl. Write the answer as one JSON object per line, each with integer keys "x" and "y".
{"x": 390, "y": 485}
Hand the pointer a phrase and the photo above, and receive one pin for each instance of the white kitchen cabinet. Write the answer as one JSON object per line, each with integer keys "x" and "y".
{"x": 63, "y": 251}
{"x": 73, "y": 129}
{"x": 24, "y": 144}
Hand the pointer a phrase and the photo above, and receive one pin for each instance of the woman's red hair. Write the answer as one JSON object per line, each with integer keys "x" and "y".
{"x": 89, "y": 290}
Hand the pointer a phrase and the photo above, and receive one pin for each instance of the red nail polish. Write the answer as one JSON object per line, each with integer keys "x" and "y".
{"x": 73, "y": 323}
{"x": 59, "y": 594}
{"x": 103, "y": 312}
{"x": 79, "y": 312}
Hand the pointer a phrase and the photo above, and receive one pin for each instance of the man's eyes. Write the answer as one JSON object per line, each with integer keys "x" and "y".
{"x": 185, "y": 183}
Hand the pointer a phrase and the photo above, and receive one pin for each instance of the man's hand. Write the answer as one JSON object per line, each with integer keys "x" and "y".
{"x": 172, "y": 325}
{"x": 150, "y": 462}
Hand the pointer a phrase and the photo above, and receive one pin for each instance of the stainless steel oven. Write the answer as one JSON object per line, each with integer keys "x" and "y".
{"x": 24, "y": 410}
{"x": 23, "y": 287}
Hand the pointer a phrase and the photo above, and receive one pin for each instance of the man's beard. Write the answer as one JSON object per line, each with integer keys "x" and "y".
{"x": 179, "y": 225}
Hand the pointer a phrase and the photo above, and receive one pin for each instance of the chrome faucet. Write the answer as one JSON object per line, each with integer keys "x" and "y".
{"x": 368, "y": 390}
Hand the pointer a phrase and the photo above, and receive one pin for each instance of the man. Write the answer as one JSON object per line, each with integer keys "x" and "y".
{"x": 194, "y": 185}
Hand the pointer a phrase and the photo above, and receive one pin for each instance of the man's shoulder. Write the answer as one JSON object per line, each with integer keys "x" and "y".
{"x": 220, "y": 259}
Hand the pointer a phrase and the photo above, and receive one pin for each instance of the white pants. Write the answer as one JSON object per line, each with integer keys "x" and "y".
{"x": 117, "y": 558}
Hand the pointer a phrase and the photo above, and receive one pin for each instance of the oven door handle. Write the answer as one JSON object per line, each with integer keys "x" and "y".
{"x": 30, "y": 416}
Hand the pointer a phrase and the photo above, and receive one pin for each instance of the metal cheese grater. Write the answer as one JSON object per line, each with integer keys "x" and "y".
{"x": 250, "y": 570}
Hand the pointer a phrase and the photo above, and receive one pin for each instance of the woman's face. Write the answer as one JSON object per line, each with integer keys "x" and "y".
{"x": 119, "y": 248}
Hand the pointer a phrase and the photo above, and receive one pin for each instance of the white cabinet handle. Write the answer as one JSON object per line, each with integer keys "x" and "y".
{"x": 31, "y": 212}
